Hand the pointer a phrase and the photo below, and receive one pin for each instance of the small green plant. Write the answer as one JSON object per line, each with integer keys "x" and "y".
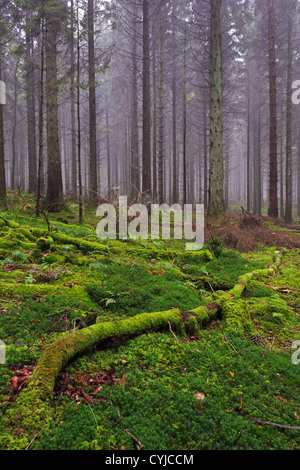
{"x": 29, "y": 279}
{"x": 19, "y": 257}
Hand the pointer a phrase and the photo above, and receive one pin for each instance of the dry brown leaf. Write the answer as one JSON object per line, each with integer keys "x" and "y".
{"x": 200, "y": 396}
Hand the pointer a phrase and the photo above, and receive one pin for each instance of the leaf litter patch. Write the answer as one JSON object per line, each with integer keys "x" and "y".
{"x": 85, "y": 386}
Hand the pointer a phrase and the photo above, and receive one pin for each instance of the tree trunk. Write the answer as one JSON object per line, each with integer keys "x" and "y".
{"x": 92, "y": 102}
{"x": 134, "y": 120}
{"x": 80, "y": 204}
{"x": 257, "y": 195}
{"x": 55, "y": 188}
{"x": 273, "y": 177}
{"x": 174, "y": 129}
{"x": 14, "y": 162}
{"x": 288, "y": 182}
{"x": 216, "y": 176}
{"x": 205, "y": 163}
{"x": 2, "y": 153}
{"x": 161, "y": 155}
{"x": 73, "y": 125}
{"x": 146, "y": 186}
{"x": 30, "y": 98}
{"x": 298, "y": 178}
{"x": 41, "y": 120}
{"x": 154, "y": 127}
{"x": 248, "y": 138}
{"x": 184, "y": 200}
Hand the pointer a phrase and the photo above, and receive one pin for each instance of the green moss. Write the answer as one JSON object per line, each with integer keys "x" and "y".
{"x": 45, "y": 243}
{"x": 55, "y": 356}
{"x": 210, "y": 282}
{"x": 237, "y": 316}
{"x": 32, "y": 290}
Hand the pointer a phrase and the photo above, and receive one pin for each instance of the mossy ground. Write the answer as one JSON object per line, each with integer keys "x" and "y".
{"x": 183, "y": 393}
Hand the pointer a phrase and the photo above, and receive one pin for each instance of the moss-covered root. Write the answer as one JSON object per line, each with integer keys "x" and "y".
{"x": 32, "y": 410}
{"x": 237, "y": 316}
{"x": 237, "y": 291}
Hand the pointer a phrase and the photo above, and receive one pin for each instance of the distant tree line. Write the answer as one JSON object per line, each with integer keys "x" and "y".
{"x": 160, "y": 100}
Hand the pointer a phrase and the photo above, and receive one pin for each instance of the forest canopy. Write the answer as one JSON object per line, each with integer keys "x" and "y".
{"x": 174, "y": 101}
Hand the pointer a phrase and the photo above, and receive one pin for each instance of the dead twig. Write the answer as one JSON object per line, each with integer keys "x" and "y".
{"x": 139, "y": 446}
{"x": 283, "y": 426}
{"x": 172, "y": 331}
{"x": 33, "y": 439}
{"x": 255, "y": 221}
{"x": 46, "y": 218}
{"x": 232, "y": 347}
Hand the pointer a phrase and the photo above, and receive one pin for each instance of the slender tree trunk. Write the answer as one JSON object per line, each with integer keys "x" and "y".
{"x": 2, "y": 152}
{"x": 41, "y": 121}
{"x": 161, "y": 155}
{"x": 216, "y": 176}
{"x": 184, "y": 200}
{"x": 205, "y": 163}
{"x": 14, "y": 175}
{"x": 154, "y": 127}
{"x": 92, "y": 102}
{"x": 134, "y": 120}
{"x": 226, "y": 176}
{"x": 55, "y": 187}
{"x": 73, "y": 123}
{"x": 174, "y": 130}
{"x": 146, "y": 185}
{"x": 30, "y": 98}
{"x": 259, "y": 175}
{"x": 108, "y": 153}
{"x": 248, "y": 139}
{"x": 288, "y": 182}
{"x": 80, "y": 202}
{"x": 281, "y": 164}
{"x": 298, "y": 179}
{"x": 273, "y": 180}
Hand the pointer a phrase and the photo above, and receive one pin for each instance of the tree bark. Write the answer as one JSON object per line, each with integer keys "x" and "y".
{"x": 146, "y": 186}
{"x": 73, "y": 124}
{"x": 289, "y": 117}
{"x": 55, "y": 187}
{"x": 174, "y": 129}
{"x": 41, "y": 119}
{"x": 184, "y": 201}
{"x": 161, "y": 155}
{"x": 2, "y": 150}
{"x": 154, "y": 127}
{"x": 273, "y": 176}
{"x": 216, "y": 177}
{"x": 92, "y": 102}
{"x": 134, "y": 120}
{"x": 80, "y": 202}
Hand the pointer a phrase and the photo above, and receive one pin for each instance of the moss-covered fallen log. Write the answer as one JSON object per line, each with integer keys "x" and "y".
{"x": 32, "y": 409}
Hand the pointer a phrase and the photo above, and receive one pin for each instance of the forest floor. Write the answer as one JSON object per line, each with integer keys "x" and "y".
{"x": 231, "y": 383}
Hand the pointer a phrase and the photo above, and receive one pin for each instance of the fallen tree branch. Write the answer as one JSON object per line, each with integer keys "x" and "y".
{"x": 139, "y": 446}
{"x": 172, "y": 331}
{"x": 232, "y": 347}
{"x": 39, "y": 389}
{"x": 283, "y": 426}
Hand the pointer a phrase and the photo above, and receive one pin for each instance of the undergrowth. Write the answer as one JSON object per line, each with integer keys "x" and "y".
{"x": 202, "y": 392}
